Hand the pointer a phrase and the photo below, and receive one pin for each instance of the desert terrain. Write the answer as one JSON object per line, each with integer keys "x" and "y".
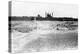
{"x": 35, "y": 36}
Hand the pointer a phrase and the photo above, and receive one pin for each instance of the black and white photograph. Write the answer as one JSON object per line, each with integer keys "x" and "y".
{"x": 42, "y": 27}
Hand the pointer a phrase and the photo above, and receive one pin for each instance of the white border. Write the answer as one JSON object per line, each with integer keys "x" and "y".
{"x": 4, "y": 26}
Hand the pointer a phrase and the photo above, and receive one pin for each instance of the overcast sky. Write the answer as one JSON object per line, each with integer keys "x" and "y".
{"x": 33, "y": 9}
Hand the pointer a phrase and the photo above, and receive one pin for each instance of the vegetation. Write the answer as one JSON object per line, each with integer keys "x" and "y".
{"x": 48, "y": 17}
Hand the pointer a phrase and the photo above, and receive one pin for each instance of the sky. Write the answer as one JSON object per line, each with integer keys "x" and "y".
{"x": 34, "y": 8}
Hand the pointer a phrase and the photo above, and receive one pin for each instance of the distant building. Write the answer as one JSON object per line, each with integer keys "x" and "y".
{"x": 49, "y": 15}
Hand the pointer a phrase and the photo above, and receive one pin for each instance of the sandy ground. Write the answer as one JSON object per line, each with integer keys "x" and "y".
{"x": 43, "y": 38}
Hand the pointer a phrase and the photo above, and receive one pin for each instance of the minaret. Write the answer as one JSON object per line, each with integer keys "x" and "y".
{"x": 45, "y": 14}
{"x": 52, "y": 14}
